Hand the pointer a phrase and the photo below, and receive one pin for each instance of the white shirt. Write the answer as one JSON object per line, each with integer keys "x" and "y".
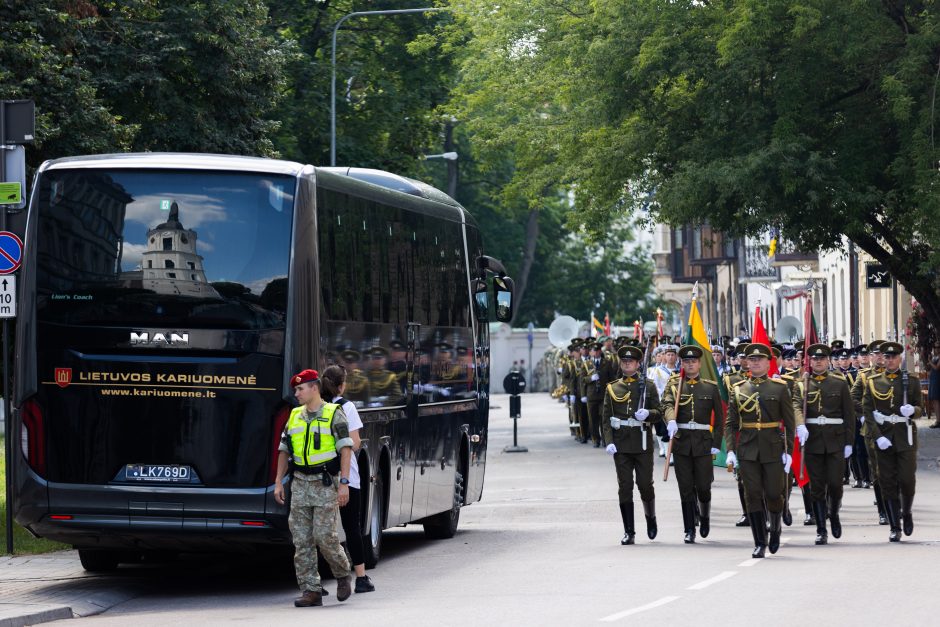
{"x": 355, "y": 424}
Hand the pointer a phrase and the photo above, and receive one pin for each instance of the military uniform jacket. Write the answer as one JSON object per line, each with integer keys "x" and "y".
{"x": 594, "y": 390}
{"x": 796, "y": 395}
{"x": 574, "y": 384}
{"x": 884, "y": 392}
{"x": 828, "y": 395}
{"x": 760, "y": 401}
{"x": 621, "y": 400}
{"x": 858, "y": 391}
{"x": 699, "y": 400}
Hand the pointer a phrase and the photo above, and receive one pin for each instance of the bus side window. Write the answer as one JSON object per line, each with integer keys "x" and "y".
{"x": 481, "y": 300}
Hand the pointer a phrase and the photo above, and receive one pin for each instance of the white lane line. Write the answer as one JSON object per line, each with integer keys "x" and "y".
{"x": 637, "y": 610}
{"x": 721, "y": 577}
{"x": 750, "y": 562}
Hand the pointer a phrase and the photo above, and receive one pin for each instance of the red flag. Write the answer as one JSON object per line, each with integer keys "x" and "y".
{"x": 760, "y": 337}
{"x": 810, "y": 337}
{"x": 659, "y": 323}
{"x": 607, "y": 324}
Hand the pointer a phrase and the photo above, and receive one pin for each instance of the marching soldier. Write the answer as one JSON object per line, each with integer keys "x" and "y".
{"x": 574, "y": 391}
{"x": 594, "y": 383}
{"x": 891, "y": 401}
{"x": 830, "y": 435}
{"x": 694, "y": 432}
{"x": 357, "y": 384}
{"x": 629, "y": 414}
{"x": 876, "y": 366}
{"x": 738, "y": 375}
{"x": 383, "y": 383}
{"x": 759, "y": 407}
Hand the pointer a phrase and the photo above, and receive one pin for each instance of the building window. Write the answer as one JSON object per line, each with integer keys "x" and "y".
{"x": 171, "y": 275}
{"x": 192, "y": 277}
{"x": 191, "y": 265}
{"x": 168, "y": 263}
{"x": 167, "y": 243}
{"x": 150, "y": 263}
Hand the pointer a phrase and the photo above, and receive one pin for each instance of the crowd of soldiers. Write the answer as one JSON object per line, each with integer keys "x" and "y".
{"x": 850, "y": 412}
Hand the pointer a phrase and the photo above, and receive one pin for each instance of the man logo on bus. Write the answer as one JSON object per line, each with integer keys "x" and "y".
{"x": 159, "y": 339}
{"x": 63, "y": 376}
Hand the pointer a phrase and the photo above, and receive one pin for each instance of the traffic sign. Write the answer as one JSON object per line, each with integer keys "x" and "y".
{"x": 11, "y": 252}
{"x": 11, "y": 193}
{"x": 8, "y": 296}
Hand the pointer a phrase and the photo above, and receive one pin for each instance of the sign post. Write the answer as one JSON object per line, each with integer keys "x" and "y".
{"x": 17, "y": 127}
{"x": 514, "y": 384}
{"x": 531, "y": 341}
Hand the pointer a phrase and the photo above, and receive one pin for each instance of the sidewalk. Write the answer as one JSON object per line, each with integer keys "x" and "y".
{"x": 41, "y": 588}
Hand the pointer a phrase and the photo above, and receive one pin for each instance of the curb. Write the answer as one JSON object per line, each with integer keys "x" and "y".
{"x": 50, "y": 613}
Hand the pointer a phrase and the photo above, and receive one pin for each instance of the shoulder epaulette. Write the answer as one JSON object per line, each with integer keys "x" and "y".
{"x": 709, "y": 381}
{"x": 737, "y": 383}
{"x": 838, "y": 375}
{"x": 780, "y": 381}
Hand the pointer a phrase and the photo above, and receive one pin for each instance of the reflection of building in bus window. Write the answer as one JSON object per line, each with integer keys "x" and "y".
{"x": 171, "y": 265}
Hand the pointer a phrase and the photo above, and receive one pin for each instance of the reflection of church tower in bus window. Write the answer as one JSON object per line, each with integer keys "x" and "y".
{"x": 171, "y": 264}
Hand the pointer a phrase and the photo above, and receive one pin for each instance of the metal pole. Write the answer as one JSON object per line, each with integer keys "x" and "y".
{"x": 7, "y": 422}
{"x": 333, "y": 62}
{"x": 894, "y": 306}
{"x": 854, "y": 336}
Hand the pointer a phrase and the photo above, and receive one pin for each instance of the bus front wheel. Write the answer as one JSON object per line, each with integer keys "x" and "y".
{"x": 444, "y": 525}
{"x": 98, "y": 560}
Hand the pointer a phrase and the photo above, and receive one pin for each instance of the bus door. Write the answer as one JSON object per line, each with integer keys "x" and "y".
{"x": 412, "y": 506}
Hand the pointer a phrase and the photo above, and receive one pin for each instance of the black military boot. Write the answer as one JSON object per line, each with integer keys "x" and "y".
{"x": 810, "y": 518}
{"x": 688, "y": 521}
{"x": 893, "y": 510}
{"x": 880, "y": 503}
{"x": 649, "y": 510}
{"x": 704, "y": 523}
{"x": 906, "y": 516}
{"x": 776, "y": 520}
{"x": 819, "y": 509}
{"x": 834, "y": 506}
{"x": 629, "y": 527}
{"x": 759, "y": 531}
{"x": 744, "y": 520}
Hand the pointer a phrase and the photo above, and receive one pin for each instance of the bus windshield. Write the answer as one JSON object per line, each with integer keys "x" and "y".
{"x": 119, "y": 247}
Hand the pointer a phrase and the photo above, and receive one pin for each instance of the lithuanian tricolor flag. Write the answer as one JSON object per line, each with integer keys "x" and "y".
{"x": 697, "y": 336}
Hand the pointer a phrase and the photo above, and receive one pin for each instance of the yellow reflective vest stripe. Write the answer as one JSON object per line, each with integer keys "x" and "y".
{"x": 302, "y": 436}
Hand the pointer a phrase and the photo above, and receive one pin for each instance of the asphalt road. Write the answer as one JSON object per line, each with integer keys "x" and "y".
{"x": 542, "y": 548}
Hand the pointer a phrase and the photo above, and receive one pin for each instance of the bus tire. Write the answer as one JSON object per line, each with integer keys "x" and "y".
{"x": 444, "y": 525}
{"x": 98, "y": 560}
{"x": 372, "y": 541}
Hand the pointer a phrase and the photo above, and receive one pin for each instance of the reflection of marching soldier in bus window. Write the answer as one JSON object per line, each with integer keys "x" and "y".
{"x": 468, "y": 370}
{"x": 383, "y": 384}
{"x": 357, "y": 384}
{"x": 397, "y": 362}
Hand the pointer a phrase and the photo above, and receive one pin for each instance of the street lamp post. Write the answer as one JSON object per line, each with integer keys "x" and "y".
{"x": 333, "y": 62}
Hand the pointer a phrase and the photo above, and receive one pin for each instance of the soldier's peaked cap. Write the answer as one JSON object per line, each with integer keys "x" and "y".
{"x": 690, "y": 351}
{"x": 630, "y": 352}
{"x": 378, "y": 351}
{"x": 875, "y": 347}
{"x": 819, "y": 350}
{"x": 758, "y": 350}
{"x": 350, "y": 355}
{"x": 891, "y": 348}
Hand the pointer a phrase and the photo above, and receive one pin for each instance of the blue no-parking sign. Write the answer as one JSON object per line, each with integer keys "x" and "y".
{"x": 11, "y": 252}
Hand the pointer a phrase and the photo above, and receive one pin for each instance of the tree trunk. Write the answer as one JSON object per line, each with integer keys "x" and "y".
{"x": 528, "y": 258}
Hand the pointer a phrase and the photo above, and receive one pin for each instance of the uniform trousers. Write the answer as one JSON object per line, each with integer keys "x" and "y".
{"x": 896, "y": 472}
{"x": 594, "y": 417}
{"x": 762, "y": 481}
{"x": 584, "y": 420}
{"x": 872, "y": 450}
{"x": 825, "y": 474}
{"x": 640, "y": 463}
{"x": 694, "y": 476}
{"x": 312, "y": 523}
{"x": 860, "y": 455}
{"x": 350, "y": 515}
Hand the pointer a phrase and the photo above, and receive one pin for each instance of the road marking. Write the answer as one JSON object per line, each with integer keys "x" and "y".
{"x": 637, "y": 610}
{"x": 750, "y": 562}
{"x": 721, "y": 577}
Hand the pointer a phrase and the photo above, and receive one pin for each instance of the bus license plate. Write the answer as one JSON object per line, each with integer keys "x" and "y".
{"x": 157, "y": 472}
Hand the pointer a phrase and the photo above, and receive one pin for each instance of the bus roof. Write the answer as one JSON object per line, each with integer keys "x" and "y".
{"x": 179, "y": 160}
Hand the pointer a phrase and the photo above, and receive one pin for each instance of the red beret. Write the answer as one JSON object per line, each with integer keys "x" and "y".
{"x": 304, "y": 376}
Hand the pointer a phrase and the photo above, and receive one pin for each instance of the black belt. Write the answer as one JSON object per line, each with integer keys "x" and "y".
{"x": 311, "y": 470}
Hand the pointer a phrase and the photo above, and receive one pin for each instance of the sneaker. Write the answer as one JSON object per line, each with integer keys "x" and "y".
{"x": 342, "y": 588}
{"x": 364, "y": 584}
{"x": 308, "y": 599}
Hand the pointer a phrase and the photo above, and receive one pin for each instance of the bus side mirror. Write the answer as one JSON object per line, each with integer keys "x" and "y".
{"x": 502, "y": 294}
{"x": 481, "y": 300}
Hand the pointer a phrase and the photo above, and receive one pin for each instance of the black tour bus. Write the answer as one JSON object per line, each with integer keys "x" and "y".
{"x": 165, "y": 301}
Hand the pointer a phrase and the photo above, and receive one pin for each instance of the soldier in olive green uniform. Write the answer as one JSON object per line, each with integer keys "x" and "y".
{"x": 595, "y": 384}
{"x": 629, "y": 413}
{"x": 357, "y": 384}
{"x": 731, "y": 379}
{"x": 829, "y": 435}
{"x": 891, "y": 401}
{"x": 875, "y": 367}
{"x": 695, "y": 431}
{"x": 383, "y": 383}
{"x": 570, "y": 377}
{"x": 758, "y": 408}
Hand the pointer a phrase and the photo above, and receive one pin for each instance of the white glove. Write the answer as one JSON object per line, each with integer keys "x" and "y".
{"x": 558, "y": 370}
{"x": 671, "y": 428}
{"x": 595, "y": 377}
{"x": 787, "y": 461}
{"x": 715, "y": 451}
{"x": 611, "y": 449}
{"x": 642, "y": 414}
{"x": 907, "y": 410}
{"x": 879, "y": 417}
{"x": 731, "y": 459}
{"x": 803, "y": 433}
{"x": 883, "y": 442}
{"x": 564, "y": 397}
{"x": 584, "y": 399}
{"x": 848, "y": 451}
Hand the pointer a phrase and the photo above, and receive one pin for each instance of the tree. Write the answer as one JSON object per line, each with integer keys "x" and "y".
{"x": 815, "y": 117}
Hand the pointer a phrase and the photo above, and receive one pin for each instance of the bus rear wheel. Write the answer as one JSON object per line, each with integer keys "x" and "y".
{"x": 372, "y": 541}
{"x": 98, "y": 560}
{"x": 444, "y": 525}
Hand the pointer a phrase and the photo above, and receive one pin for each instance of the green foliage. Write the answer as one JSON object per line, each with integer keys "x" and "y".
{"x": 815, "y": 116}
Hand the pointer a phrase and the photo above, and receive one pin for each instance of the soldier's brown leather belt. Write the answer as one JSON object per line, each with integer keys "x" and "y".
{"x": 760, "y": 425}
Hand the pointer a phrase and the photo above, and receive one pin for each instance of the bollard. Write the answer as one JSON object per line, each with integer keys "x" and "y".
{"x": 515, "y": 412}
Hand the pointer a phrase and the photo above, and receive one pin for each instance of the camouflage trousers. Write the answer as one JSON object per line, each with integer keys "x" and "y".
{"x": 312, "y": 521}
